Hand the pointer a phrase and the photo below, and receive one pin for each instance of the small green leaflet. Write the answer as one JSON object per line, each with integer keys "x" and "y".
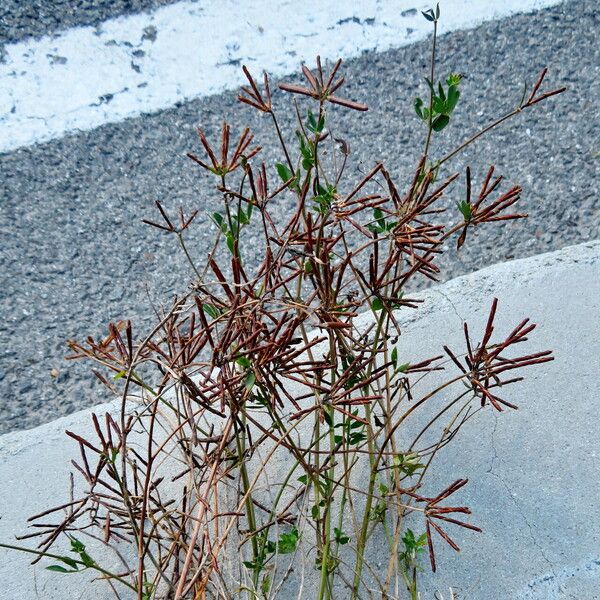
{"x": 377, "y": 304}
{"x": 244, "y": 362}
{"x": 465, "y": 209}
{"x": 250, "y": 380}
{"x": 284, "y": 172}
{"x": 340, "y": 537}
{"x": 211, "y": 311}
{"x": 312, "y": 125}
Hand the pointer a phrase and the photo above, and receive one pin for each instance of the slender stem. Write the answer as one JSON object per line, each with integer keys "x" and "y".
{"x": 362, "y": 540}
{"x": 432, "y": 73}
{"x": 324, "y": 588}
{"x": 469, "y": 141}
{"x": 282, "y": 142}
{"x": 95, "y": 567}
{"x": 187, "y": 254}
{"x": 250, "y": 514}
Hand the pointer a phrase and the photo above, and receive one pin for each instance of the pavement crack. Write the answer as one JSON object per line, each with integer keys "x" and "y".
{"x": 530, "y": 527}
{"x": 451, "y": 303}
{"x": 495, "y": 451}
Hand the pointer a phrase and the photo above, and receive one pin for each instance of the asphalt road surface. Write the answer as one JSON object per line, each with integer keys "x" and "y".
{"x": 74, "y": 253}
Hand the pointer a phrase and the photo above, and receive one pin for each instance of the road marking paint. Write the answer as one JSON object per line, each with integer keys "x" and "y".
{"x": 88, "y": 76}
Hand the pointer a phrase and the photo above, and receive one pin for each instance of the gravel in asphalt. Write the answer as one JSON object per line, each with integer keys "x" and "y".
{"x": 20, "y": 19}
{"x": 74, "y": 253}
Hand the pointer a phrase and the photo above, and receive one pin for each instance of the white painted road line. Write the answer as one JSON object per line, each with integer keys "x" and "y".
{"x": 88, "y": 76}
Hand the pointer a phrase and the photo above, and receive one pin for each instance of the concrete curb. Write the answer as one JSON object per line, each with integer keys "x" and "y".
{"x": 534, "y": 474}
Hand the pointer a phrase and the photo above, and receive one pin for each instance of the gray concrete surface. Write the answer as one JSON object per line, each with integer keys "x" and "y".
{"x": 74, "y": 254}
{"x": 534, "y": 473}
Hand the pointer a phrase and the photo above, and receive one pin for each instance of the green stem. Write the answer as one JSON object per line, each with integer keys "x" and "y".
{"x": 240, "y": 438}
{"x": 430, "y": 123}
{"x": 324, "y": 588}
{"x": 362, "y": 540}
{"x": 95, "y": 567}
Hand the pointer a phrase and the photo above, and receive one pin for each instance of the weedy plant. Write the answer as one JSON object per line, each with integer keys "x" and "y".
{"x": 264, "y": 443}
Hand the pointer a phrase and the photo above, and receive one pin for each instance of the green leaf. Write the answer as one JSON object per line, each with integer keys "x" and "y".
{"x": 324, "y": 198}
{"x": 235, "y": 226}
{"x": 86, "y": 559}
{"x": 428, "y": 15}
{"x": 340, "y": 537}
{"x": 356, "y": 424}
{"x": 441, "y": 93}
{"x": 377, "y": 304}
{"x": 313, "y": 125}
{"x": 356, "y": 437}
{"x": 408, "y": 463}
{"x": 305, "y": 148}
{"x": 412, "y": 544}
{"x": 303, "y": 479}
{"x": 439, "y": 105}
{"x": 403, "y": 368}
{"x": 77, "y": 546}
{"x": 440, "y": 122}
{"x": 244, "y": 362}
{"x": 58, "y": 569}
{"x": 250, "y": 380}
{"x": 288, "y": 542}
{"x": 419, "y": 108}
{"x": 465, "y": 208}
{"x": 328, "y": 418}
{"x": 284, "y": 172}
{"x": 311, "y": 122}
{"x": 394, "y": 356}
{"x": 242, "y": 218}
{"x": 212, "y": 311}
{"x": 265, "y": 586}
{"x": 230, "y": 242}
{"x": 453, "y": 96}
{"x": 219, "y": 221}
{"x": 321, "y": 124}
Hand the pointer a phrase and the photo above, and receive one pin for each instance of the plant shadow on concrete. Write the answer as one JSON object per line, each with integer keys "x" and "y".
{"x": 272, "y": 430}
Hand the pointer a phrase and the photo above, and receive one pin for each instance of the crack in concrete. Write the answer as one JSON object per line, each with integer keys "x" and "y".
{"x": 445, "y": 296}
{"x": 539, "y": 547}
